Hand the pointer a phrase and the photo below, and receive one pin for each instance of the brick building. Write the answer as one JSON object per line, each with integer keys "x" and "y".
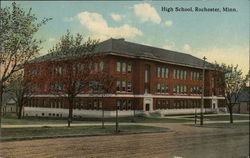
{"x": 148, "y": 79}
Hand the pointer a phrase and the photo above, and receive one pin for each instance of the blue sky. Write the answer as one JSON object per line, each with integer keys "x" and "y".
{"x": 220, "y": 36}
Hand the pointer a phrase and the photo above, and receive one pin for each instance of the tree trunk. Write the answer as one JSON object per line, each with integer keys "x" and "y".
{"x": 102, "y": 112}
{"x": 70, "y": 111}
{"x": 231, "y": 113}
{"x": 116, "y": 120}
{"x": 20, "y": 109}
{"x": 1, "y": 100}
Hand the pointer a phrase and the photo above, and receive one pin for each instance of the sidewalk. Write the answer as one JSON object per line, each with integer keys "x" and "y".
{"x": 110, "y": 123}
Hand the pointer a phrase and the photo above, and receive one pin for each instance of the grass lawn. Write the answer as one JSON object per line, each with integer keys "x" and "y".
{"x": 50, "y": 120}
{"x": 53, "y": 132}
{"x": 225, "y": 125}
{"x": 225, "y": 117}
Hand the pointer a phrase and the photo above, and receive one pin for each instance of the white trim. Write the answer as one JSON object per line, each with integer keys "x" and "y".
{"x": 130, "y": 96}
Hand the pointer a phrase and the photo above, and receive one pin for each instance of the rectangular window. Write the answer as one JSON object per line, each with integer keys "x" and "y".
{"x": 146, "y": 76}
{"x": 178, "y": 89}
{"x": 198, "y": 76}
{"x": 162, "y": 72}
{"x": 124, "y": 67}
{"x": 194, "y": 75}
{"x": 129, "y": 107}
{"x": 166, "y": 88}
{"x": 185, "y": 75}
{"x": 158, "y": 88}
{"x": 101, "y": 66}
{"x": 96, "y": 67}
{"x": 123, "y": 85}
{"x": 162, "y": 88}
{"x": 185, "y": 89}
{"x": 158, "y": 72}
{"x": 129, "y": 86}
{"x": 178, "y": 74}
{"x": 174, "y": 74}
{"x": 181, "y": 89}
{"x": 118, "y": 85}
{"x": 118, "y": 67}
{"x": 174, "y": 89}
{"x": 191, "y": 75}
{"x": 129, "y": 68}
{"x": 166, "y": 72}
{"x": 181, "y": 74}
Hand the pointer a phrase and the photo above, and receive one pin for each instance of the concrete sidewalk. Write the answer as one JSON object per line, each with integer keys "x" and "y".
{"x": 110, "y": 123}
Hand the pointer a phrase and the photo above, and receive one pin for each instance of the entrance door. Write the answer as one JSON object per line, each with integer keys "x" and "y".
{"x": 147, "y": 107}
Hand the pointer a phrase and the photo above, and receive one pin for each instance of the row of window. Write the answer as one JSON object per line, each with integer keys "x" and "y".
{"x": 195, "y": 76}
{"x": 162, "y": 88}
{"x": 178, "y": 104}
{"x": 123, "y": 86}
{"x": 124, "y": 104}
{"x": 162, "y": 72}
{"x": 123, "y": 67}
{"x": 180, "y": 89}
{"x": 180, "y": 74}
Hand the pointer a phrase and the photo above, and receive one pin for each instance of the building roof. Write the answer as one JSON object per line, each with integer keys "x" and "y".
{"x": 122, "y": 47}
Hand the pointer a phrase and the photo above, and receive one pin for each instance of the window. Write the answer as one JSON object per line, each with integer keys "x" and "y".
{"x": 57, "y": 87}
{"x": 129, "y": 68}
{"x": 185, "y": 89}
{"x": 178, "y": 74}
{"x": 162, "y": 72}
{"x": 174, "y": 75}
{"x": 174, "y": 89}
{"x": 158, "y": 88}
{"x": 166, "y": 88}
{"x": 146, "y": 76}
{"x": 118, "y": 67}
{"x": 118, "y": 85}
{"x": 198, "y": 76}
{"x": 124, "y": 85}
{"x": 194, "y": 75}
{"x": 129, "y": 106}
{"x": 123, "y": 67}
{"x": 158, "y": 71}
{"x": 162, "y": 88}
{"x": 95, "y": 104}
{"x": 166, "y": 72}
{"x": 178, "y": 89}
{"x": 79, "y": 67}
{"x": 185, "y": 75}
{"x": 129, "y": 86}
{"x": 191, "y": 75}
{"x": 181, "y": 74}
{"x": 101, "y": 66}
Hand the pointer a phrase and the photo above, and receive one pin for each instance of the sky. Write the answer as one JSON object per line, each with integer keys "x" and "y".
{"x": 220, "y": 36}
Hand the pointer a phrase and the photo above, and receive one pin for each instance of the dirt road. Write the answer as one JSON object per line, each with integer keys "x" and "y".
{"x": 183, "y": 141}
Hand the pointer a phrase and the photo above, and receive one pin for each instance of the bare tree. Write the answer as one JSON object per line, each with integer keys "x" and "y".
{"x": 17, "y": 43}
{"x": 233, "y": 83}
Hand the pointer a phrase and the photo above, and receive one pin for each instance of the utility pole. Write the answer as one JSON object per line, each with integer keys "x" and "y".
{"x": 203, "y": 88}
{"x": 116, "y": 120}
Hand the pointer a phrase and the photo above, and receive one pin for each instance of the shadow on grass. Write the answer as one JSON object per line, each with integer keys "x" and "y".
{"x": 10, "y": 134}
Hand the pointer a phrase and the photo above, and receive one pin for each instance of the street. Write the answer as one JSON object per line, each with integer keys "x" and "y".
{"x": 182, "y": 141}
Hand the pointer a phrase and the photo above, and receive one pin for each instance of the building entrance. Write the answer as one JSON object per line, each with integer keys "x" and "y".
{"x": 147, "y": 107}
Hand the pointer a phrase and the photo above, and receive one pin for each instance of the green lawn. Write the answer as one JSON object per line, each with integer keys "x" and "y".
{"x": 225, "y": 125}
{"x": 50, "y": 120}
{"x": 52, "y": 132}
{"x": 223, "y": 117}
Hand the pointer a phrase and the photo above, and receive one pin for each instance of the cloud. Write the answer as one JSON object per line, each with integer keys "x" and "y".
{"x": 51, "y": 39}
{"x": 187, "y": 48}
{"x": 147, "y": 13}
{"x": 95, "y": 23}
{"x": 168, "y": 23}
{"x": 116, "y": 17}
{"x": 68, "y": 19}
{"x": 235, "y": 55}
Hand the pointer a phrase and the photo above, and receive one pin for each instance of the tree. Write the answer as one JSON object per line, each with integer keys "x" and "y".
{"x": 234, "y": 82}
{"x": 105, "y": 86}
{"x": 72, "y": 73}
{"x": 17, "y": 43}
{"x": 20, "y": 89}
